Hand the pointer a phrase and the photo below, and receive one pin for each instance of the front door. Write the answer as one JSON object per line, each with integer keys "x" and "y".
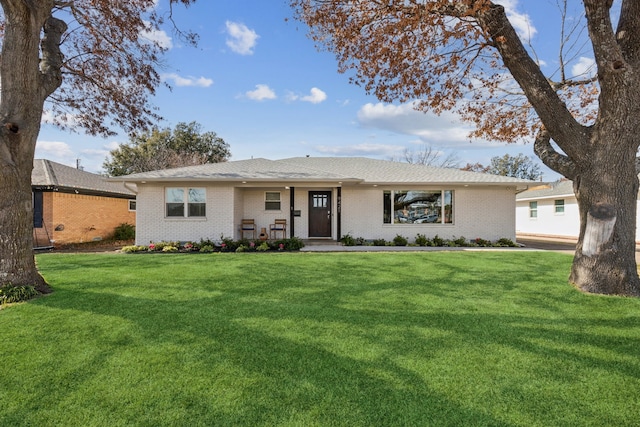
{"x": 319, "y": 213}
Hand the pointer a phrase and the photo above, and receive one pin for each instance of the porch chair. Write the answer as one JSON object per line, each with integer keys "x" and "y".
{"x": 248, "y": 225}
{"x": 279, "y": 225}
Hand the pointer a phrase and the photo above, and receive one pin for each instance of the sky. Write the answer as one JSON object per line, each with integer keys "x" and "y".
{"x": 259, "y": 83}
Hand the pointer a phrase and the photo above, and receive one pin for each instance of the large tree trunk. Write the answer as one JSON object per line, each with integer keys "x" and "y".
{"x": 30, "y": 72}
{"x": 605, "y": 260}
{"x": 17, "y": 265}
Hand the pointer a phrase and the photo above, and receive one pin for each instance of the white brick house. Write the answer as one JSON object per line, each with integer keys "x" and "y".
{"x": 323, "y": 198}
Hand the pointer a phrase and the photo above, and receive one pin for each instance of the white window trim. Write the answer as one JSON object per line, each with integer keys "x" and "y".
{"x": 279, "y": 193}
{"x": 185, "y": 204}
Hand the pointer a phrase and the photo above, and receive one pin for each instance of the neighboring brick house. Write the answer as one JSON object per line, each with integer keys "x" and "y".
{"x": 323, "y": 198}
{"x": 74, "y": 206}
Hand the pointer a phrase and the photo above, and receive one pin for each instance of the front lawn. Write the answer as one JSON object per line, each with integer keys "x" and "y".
{"x": 318, "y": 339}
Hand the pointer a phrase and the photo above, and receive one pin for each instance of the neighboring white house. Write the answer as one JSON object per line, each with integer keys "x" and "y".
{"x": 552, "y": 211}
{"x": 548, "y": 210}
{"x": 323, "y": 198}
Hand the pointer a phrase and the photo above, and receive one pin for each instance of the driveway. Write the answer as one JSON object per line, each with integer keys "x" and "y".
{"x": 548, "y": 244}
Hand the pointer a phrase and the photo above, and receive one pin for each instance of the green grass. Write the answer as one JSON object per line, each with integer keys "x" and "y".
{"x": 334, "y": 339}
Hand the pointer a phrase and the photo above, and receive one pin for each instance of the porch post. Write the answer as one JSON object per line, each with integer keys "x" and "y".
{"x": 339, "y": 216}
{"x": 292, "y": 200}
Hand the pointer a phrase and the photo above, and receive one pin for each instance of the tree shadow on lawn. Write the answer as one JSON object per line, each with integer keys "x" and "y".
{"x": 321, "y": 386}
{"x": 386, "y": 351}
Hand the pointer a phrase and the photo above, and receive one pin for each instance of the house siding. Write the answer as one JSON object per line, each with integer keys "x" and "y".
{"x": 550, "y": 224}
{"x": 478, "y": 212}
{"x": 154, "y": 226}
{"x": 485, "y": 212}
{"x": 84, "y": 218}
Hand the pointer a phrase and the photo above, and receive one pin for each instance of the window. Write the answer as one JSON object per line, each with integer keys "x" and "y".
{"x": 272, "y": 201}
{"x": 193, "y": 198}
{"x": 533, "y": 209}
{"x": 320, "y": 200}
{"x": 38, "y": 204}
{"x": 559, "y": 206}
{"x": 418, "y": 207}
{"x": 132, "y": 205}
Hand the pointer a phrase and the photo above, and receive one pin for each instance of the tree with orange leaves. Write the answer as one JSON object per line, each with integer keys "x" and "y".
{"x": 467, "y": 56}
{"x": 92, "y": 65}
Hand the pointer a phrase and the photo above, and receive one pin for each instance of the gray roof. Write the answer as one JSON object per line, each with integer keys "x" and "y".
{"x": 563, "y": 188}
{"x": 310, "y": 169}
{"x": 48, "y": 175}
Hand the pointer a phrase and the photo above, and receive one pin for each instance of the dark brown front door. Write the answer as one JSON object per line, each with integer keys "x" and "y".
{"x": 319, "y": 213}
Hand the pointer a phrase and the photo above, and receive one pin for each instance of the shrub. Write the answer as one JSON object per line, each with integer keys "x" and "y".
{"x": 124, "y": 231}
{"x": 11, "y": 293}
{"x": 438, "y": 241}
{"x": 421, "y": 240}
{"x": 292, "y": 244}
{"x": 206, "y": 249}
{"x": 379, "y": 242}
{"x": 460, "y": 241}
{"x": 264, "y": 246}
{"x": 169, "y": 248}
{"x": 228, "y": 244}
{"x": 400, "y": 240}
{"x": 295, "y": 244}
{"x": 482, "y": 242}
{"x": 190, "y": 246}
{"x": 348, "y": 240}
{"x": 504, "y": 242}
{"x": 134, "y": 249}
{"x": 159, "y": 246}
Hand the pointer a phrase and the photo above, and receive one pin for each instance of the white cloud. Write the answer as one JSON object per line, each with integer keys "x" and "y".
{"x": 158, "y": 36}
{"x": 241, "y": 39}
{"x": 261, "y": 93}
{"x": 188, "y": 81}
{"x": 521, "y": 22}
{"x": 54, "y": 150}
{"x": 445, "y": 130}
{"x": 585, "y": 67}
{"x": 315, "y": 97}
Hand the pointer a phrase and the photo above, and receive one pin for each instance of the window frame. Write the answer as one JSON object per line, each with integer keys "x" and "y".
{"x": 132, "y": 202}
{"x": 533, "y": 209}
{"x": 445, "y": 204}
{"x": 274, "y": 202}
{"x": 187, "y": 207}
{"x": 558, "y": 208}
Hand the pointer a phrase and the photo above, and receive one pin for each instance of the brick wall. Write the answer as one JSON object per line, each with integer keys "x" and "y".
{"x": 487, "y": 212}
{"x": 84, "y": 218}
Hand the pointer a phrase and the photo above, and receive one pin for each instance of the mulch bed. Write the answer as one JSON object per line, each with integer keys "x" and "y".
{"x": 91, "y": 247}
